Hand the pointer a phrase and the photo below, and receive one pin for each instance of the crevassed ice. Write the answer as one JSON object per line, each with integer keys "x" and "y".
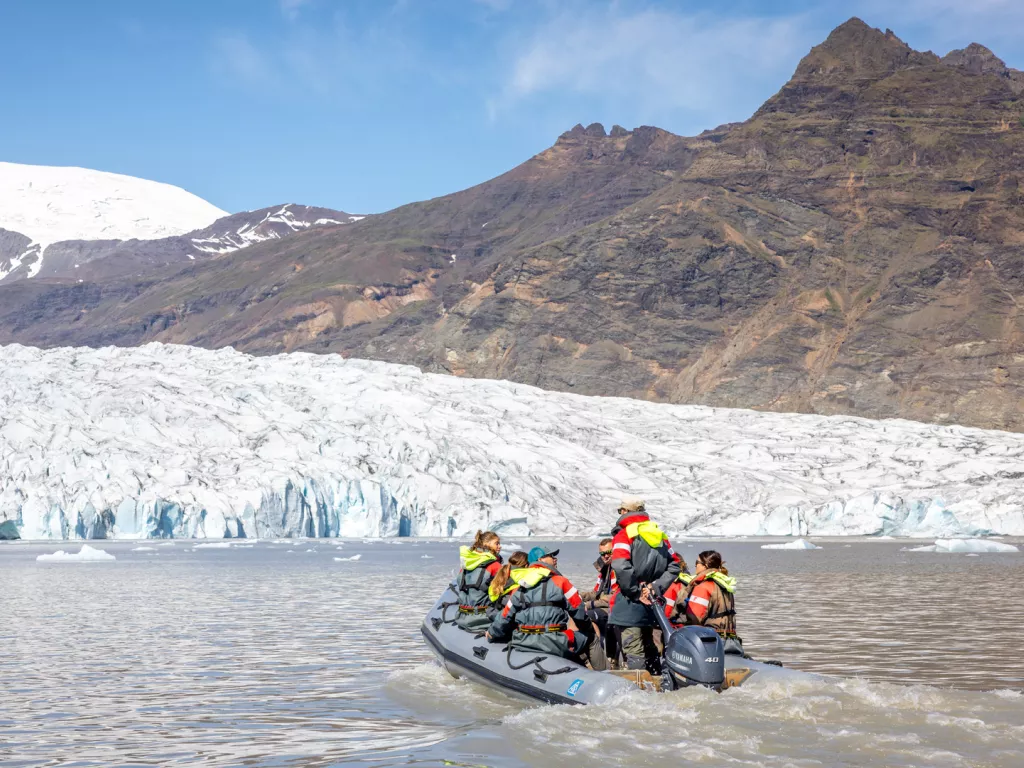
{"x": 169, "y": 441}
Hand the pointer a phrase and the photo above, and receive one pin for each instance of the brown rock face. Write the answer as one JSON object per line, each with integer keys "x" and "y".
{"x": 856, "y": 247}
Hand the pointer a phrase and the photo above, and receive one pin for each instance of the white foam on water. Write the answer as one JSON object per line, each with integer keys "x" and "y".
{"x": 779, "y": 723}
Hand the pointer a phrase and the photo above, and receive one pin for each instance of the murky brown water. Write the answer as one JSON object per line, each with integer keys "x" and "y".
{"x": 275, "y": 656}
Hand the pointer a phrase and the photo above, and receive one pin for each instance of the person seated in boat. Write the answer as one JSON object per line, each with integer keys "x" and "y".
{"x": 538, "y": 616}
{"x": 709, "y": 600}
{"x": 480, "y": 562}
{"x": 598, "y": 601}
{"x": 676, "y": 592}
{"x": 506, "y": 580}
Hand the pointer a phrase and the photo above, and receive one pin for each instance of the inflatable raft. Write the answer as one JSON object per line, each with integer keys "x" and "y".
{"x": 693, "y": 656}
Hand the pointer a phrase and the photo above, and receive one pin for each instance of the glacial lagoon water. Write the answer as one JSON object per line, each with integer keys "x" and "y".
{"x": 276, "y": 654}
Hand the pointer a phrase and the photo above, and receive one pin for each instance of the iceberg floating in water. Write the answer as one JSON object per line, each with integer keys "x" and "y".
{"x": 214, "y": 545}
{"x": 965, "y": 545}
{"x": 798, "y": 544}
{"x": 143, "y": 549}
{"x": 85, "y": 555}
{"x": 347, "y": 559}
{"x": 180, "y": 442}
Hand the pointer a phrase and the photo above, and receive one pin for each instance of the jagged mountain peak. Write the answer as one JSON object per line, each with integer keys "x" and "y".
{"x": 979, "y": 60}
{"x": 855, "y": 49}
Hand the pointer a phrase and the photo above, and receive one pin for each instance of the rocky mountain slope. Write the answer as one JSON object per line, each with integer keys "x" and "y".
{"x": 855, "y": 247}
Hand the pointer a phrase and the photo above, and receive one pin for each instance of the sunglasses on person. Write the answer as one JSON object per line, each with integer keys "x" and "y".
{"x": 603, "y": 553}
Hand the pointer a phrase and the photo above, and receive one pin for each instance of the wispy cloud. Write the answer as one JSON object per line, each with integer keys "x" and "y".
{"x": 236, "y": 58}
{"x": 327, "y": 57}
{"x": 654, "y": 61}
{"x": 291, "y": 8}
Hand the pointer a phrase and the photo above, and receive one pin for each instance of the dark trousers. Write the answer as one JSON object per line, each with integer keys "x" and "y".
{"x": 640, "y": 649}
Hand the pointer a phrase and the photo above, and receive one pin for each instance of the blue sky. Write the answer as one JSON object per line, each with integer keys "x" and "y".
{"x": 364, "y": 105}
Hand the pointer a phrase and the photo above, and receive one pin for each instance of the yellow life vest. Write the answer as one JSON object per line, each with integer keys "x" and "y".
{"x": 513, "y": 583}
{"x": 533, "y": 577}
{"x": 472, "y": 559}
{"x": 728, "y": 583}
{"x": 648, "y": 531}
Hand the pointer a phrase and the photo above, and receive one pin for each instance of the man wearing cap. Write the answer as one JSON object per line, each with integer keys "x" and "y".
{"x": 643, "y": 561}
{"x": 538, "y": 615}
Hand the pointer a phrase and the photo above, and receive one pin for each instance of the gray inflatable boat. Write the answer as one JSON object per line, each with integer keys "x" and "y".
{"x": 693, "y": 656}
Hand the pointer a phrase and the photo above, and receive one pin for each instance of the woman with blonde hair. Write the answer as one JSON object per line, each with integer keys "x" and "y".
{"x": 481, "y": 560}
{"x": 506, "y": 580}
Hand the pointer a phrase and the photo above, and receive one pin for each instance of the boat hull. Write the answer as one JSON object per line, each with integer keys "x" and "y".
{"x": 531, "y": 676}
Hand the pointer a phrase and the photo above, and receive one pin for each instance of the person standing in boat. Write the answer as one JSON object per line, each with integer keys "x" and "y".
{"x": 538, "y": 616}
{"x": 643, "y": 562}
{"x": 598, "y": 601}
{"x": 710, "y": 600}
{"x": 480, "y": 562}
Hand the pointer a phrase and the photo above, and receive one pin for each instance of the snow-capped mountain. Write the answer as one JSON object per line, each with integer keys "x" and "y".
{"x": 164, "y": 441}
{"x": 49, "y": 204}
{"x": 76, "y": 223}
{"x": 241, "y": 230}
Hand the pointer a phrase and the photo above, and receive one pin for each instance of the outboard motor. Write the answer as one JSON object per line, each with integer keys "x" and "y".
{"x": 693, "y": 655}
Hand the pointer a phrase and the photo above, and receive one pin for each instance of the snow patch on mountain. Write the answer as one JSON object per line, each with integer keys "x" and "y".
{"x": 168, "y": 441}
{"x": 251, "y": 232}
{"x": 52, "y": 204}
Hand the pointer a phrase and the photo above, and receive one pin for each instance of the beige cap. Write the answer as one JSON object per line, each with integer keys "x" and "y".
{"x": 632, "y": 505}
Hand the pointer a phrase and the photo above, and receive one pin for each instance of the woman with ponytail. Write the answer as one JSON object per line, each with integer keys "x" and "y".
{"x": 506, "y": 580}
{"x": 480, "y": 562}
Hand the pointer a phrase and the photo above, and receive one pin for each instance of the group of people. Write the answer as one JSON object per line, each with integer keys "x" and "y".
{"x": 530, "y": 604}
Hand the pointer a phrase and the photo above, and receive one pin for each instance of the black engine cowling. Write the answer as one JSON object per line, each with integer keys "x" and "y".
{"x": 695, "y": 656}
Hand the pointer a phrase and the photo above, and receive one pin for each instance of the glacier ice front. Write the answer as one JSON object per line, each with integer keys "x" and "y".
{"x": 170, "y": 442}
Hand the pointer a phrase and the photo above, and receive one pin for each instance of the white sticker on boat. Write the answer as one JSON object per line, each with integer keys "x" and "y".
{"x": 575, "y": 687}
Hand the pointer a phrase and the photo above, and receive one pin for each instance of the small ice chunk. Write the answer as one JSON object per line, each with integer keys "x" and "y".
{"x": 514, "y": 547}
{"x": 965, "y": 545}
{"x": 798, "y": 544}
{"x": 166, "y": 544}
{"x": 426, "y": 557}
{"x": 216, "y": 545}
{"x": 347, "y": 559}
{"x": 86, "y": 555}
{"x": 144, "y": 549}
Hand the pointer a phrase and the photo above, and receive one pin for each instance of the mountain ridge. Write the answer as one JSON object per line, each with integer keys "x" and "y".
{"x": 853, "y": 247}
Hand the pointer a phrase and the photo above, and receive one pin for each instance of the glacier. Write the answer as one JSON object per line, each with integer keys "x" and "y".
{"x": 168, "y": 441}
{"x": 49, "y": 204}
